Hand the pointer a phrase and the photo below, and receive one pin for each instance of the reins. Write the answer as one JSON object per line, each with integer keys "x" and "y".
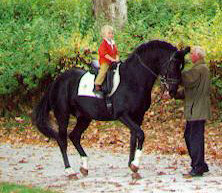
{"x": 163, "y": 79}
{"x": 145, "y": 66}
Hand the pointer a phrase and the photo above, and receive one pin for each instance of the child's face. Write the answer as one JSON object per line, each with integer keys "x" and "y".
{"x": 109, "y": 34}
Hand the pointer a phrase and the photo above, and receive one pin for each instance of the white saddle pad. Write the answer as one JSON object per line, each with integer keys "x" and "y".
{"x": 86, "y": 83}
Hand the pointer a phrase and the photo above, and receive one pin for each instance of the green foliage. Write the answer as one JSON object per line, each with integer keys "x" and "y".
{"x": 29, "y": 31}
{"x": 168, "y": 17}
{"x": 73, "y": 51}
{"x": 41, "y": 38}
{"x": 191, "y": 22}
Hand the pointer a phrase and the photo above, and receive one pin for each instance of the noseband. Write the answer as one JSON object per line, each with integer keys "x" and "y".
{"x": 163, "y": 78}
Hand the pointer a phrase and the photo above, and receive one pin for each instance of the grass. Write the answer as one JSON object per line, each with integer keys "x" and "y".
{"x": 14, "y": 188}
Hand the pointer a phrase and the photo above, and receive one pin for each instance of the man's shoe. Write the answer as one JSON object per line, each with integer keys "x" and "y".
{"x": 201, "y": 169}
{"x": 205, "y": 168}
{"x": 195, "y": 173}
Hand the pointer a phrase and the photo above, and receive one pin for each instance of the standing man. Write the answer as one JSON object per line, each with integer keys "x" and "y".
{"x": 196, "y": 95}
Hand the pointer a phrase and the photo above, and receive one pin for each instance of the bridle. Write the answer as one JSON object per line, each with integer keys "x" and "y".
{"x": 165, "y": 81}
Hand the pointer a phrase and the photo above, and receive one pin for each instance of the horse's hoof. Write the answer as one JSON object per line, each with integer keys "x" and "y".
{"x": 136, "y": 176}
{"x": 71, "y": 174}
{"x": 134, "y": 168}
{"x": 73, "y": 177}
{"x": 84, "y": 171}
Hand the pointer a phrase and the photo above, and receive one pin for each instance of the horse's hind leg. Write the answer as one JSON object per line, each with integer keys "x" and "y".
{"x": 75, "y": 136}
{"x": 63, "y": 120}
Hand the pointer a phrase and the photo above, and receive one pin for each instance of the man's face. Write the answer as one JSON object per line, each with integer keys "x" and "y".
{"x": 194, "y": 57}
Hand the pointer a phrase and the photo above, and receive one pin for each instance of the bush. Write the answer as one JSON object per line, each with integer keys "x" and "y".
{"x": 191, "y": 22}
{"x": 29, "y": 32}
{"x": 41, "y": 38}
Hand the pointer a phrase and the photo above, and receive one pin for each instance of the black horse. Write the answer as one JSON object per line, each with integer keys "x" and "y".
{"x": 130, "y": 101}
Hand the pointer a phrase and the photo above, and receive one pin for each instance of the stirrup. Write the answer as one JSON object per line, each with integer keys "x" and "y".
{"x": 99, "y": 94}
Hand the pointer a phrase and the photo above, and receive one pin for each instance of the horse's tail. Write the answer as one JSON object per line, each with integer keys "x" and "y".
{"x": 40, "y": 117}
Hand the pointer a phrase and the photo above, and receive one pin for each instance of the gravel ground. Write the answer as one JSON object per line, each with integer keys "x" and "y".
{"x": 108, "y": 172}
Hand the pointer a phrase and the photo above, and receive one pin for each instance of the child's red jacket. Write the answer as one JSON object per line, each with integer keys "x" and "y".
{"x": 106, "y": 48}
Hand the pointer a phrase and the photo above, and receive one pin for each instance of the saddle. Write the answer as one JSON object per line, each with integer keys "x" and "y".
{"x": 108, "y": 82}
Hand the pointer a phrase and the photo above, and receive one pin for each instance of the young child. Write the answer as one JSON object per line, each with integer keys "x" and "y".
{"x": 108, "y": 53}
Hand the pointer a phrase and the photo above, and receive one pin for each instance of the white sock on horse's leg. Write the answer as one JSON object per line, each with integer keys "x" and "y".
{"x": 137, "y": 158}
{"x": 84, "y": 162}
{"x": 69, "y": 171}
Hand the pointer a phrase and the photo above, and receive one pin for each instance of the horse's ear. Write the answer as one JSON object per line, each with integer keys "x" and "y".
{"x": 182, "y": 53}
{"x": 186, "y": 50}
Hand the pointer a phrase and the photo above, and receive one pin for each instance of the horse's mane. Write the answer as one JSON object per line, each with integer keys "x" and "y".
{"x": 151, "y": 45}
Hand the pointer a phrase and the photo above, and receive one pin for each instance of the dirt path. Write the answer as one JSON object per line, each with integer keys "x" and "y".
{"x": 43, "y": 167}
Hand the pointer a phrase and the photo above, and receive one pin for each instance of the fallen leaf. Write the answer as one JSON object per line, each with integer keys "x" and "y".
{"x": 22, "y": 161}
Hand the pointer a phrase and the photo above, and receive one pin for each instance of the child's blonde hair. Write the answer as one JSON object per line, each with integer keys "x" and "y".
{"x": 105, "y": 29}
{"x": 199, "y": 50}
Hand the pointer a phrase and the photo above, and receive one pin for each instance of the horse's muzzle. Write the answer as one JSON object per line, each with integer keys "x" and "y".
{"x": 172, "y": 93}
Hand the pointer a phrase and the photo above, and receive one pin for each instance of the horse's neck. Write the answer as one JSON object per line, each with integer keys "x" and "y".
{"x": 139, "y": 73}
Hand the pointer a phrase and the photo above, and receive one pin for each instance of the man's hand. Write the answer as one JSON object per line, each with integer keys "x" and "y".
{"x": 166, "y": 95}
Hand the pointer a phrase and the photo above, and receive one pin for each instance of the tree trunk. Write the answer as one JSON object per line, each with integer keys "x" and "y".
{"x": 113, "y": 11}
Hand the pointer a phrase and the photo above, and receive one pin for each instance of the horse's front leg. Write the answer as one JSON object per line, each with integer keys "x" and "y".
{"x": 133, "y": 143}
{"x": 137, "y": 134}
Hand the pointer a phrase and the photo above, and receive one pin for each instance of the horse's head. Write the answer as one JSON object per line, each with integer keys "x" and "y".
{"x": 171, "y": 70}
{"x": 161, "y": 58}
